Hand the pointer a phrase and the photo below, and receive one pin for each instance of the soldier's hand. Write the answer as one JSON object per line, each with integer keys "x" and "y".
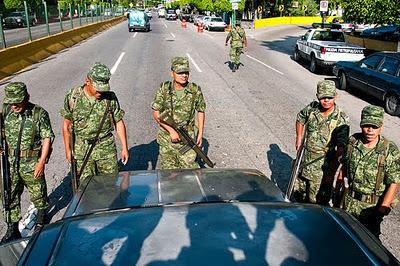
{"x": 68, "y": 157}
{"x": 124, "y": 156}
{"x": 199, "y": 141}
{"x": 39, "y": 170}
{"x": 174, "y": 137}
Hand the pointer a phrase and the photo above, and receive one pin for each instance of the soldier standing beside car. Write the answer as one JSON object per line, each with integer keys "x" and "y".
{"x": 373, "y": 171}
{"x": 327, "y": 130}
{"x": 181, "y": 99}
{"x": 29, "y": 136}
{"x": 84, "y": 109}
{"x": 238, "y": 39}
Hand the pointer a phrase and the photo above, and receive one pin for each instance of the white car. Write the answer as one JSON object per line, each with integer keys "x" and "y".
{"x": 161, "y": 13}
{"x": 214, "y": 23}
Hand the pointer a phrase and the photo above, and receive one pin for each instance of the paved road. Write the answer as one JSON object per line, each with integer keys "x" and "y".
{"x": 250, "y": 114}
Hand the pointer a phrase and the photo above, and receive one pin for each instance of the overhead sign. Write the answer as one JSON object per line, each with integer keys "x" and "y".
{"x": 281, "y": 7}
{"x": 295, "y": 4}
{"x": 323, "y": 6}
{"x": 259, "y": 9}
{"x": 234, "y": 1}
{"x": 235, "y": 6}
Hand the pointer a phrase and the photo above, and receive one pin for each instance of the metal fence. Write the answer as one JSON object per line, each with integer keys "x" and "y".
{"x": 24, "y": 25}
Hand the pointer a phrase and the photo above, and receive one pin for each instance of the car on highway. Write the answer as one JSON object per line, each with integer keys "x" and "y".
{"x": 377, "y": 75}
{"x": 161, "y": 13}
{"x": 17, "y": 19}
{"x": 214, "y": 23}
{"x": 325, "y": 47}
{"x": 138, "y": 20}
{"x": 196, "y": 217}
{"x": 198, "y": 19}
{"x": 170, "y": 14}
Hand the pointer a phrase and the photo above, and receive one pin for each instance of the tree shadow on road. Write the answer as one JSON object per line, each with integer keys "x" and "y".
{"x": 280, "y": 164}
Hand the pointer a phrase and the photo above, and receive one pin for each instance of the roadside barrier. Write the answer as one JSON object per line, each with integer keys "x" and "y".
{"x": 183, "y": 23}
{"x": 199, "y": 27}
{"x": 18, "y": 57}
{"x": 266, "y": 22}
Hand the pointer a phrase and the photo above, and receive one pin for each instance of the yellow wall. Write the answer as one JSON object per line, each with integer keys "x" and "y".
{"x": 18, "y": 57}
{"x": 266, "y": 22}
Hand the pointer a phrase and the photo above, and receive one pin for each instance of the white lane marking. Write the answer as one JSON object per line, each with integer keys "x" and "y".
{"x": 134, "y": 35}
{"x": 172, "y": 35}
{"x": 194, "y": 63}
{"x": 165, "y": 25}
{"x": 264, "y": 64}
{"x": 114, "y": 68}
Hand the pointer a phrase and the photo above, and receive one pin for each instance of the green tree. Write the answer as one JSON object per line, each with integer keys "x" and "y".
{"x": 13, "y": 4}
{"x": 372, "y": 11}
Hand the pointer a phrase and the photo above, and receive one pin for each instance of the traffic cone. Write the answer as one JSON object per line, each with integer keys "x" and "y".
{"x": 199, "y": 27}
{"x": 183, "y": 23}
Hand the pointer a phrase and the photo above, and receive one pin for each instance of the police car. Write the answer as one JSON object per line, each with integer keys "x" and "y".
{"x": 325, "y": 47}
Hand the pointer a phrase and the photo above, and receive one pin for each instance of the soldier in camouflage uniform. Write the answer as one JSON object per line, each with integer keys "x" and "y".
{"x": 181, "y": 99}
{"x": 27, "y": 129}
{"x": 373, "y": 171}
{"x": 238, "y": 39}
{"x": 84, "y": 108}
{"x": 327, "y": 131}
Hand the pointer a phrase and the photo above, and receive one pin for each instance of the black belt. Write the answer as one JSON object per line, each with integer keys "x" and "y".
{"x": 367, "y": 198}
{"x": 90, "y": 141}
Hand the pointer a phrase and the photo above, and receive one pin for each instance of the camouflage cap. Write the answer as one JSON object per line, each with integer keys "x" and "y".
{"x": 372, "y": 115}
{"x": 100, "y": 75}
{"x": 326, "y": 88}
{"x": 15, "y": 92}
{"x": 180, "y": 64}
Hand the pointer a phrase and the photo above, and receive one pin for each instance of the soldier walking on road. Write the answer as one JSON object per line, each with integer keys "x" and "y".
{"x": 373, "y": 171}
{"x": 238, "y": 39}
{"x": 29, "y": 136}
{"x": 181, "y": 99}
{"x": 85, "y": 108}
{"x": 327, "y": 131}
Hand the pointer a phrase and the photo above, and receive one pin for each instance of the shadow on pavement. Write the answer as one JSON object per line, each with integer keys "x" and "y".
{"x": 280, "y": 164}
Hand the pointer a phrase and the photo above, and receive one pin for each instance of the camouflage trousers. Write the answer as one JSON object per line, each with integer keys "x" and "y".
{"x": 234, "y": 54}
{"x": 36, "y": 187}
{"x": 102, "y": 161}
{"x": 171, "y": 158}
{"x": 364, "y": 212}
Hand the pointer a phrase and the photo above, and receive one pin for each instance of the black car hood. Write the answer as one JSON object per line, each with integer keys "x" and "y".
{"x": 161, "y": 188}
{"x": 209, "y": 234}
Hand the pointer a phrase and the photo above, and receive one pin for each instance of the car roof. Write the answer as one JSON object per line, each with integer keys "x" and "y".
{"x": 388, "y": 53}
{"x": 138, "y": 189}
{"x": 255, "y": 233}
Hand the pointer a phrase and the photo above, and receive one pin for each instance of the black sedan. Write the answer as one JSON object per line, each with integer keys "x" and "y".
{"x": 377, "y": 75}
{"x": 384, "y": 33}
{"x": 197, "y": 217}
{"x": 18, "y": 19}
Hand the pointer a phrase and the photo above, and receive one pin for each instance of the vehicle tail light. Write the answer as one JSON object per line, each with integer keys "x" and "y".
{"x": 322, "y": 50}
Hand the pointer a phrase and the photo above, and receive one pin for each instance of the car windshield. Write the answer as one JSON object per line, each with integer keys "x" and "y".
{"x": 216, "y": 19}
{"x": 171, "y": 11}
{"x": 329, "y": 36}
{"x": 15, "y": 14}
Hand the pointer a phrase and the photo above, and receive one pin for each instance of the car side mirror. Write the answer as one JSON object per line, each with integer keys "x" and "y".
{"x": 303, "y": 37}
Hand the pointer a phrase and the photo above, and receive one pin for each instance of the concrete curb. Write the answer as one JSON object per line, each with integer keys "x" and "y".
{"x": 16, "y": 58}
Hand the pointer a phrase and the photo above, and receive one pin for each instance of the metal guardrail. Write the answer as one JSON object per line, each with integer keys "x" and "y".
{"x": 67, "y": 17}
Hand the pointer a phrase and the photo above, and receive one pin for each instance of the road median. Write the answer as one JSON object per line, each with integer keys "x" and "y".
{"x": 16, "y": 58}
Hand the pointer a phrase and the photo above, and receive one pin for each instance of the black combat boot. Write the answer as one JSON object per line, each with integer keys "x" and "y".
{"x": 11, "y": 234}
{"x": 40, "y": 219}
{"x": 234, "y": 68}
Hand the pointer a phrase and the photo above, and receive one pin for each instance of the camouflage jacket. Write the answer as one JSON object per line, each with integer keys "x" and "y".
{"x": 86, "y": 112}
{"x": 35, "y": 129}
{"x": 182, "y": 106}
{"x": 324, "y": 133}
{"x": 237, "y": 37}
{"x": 363, "y": 165}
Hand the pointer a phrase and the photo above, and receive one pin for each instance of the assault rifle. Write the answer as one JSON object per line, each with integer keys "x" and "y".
{"x": 186, "y": 139}
{"x": 297, "y": 164}
{"x": 74, "y": 167}
{"x": 5, "y": 170}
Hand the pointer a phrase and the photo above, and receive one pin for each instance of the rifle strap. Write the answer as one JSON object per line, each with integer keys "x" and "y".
{"x": 18, "y": 146}
{"x": 381, "y": 165}
{"x": 95, "y": 139}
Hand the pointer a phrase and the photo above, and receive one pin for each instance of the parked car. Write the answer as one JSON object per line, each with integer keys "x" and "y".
{"x": 161, "y": 13}
{"x": 384, "y": 33}
{"x": 214, "y": 23}
{"x": 196, "y": 217}
{"x": 17, "y": 19}
{"x": 170, "y": 14}
{"x": 360, "y": 27}
{"x": 377, "y": 75}
{"x": 198, "y": 18}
